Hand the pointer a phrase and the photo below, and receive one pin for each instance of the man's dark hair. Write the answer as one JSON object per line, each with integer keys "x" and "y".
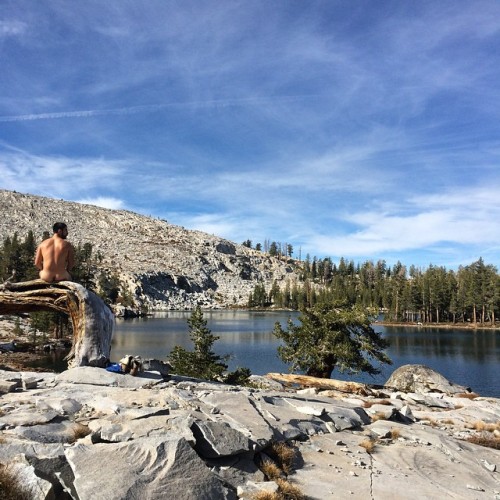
{"x": 59, "y": 225}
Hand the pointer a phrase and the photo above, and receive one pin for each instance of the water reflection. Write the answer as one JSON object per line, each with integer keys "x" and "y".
{"x": 473, "y": 345}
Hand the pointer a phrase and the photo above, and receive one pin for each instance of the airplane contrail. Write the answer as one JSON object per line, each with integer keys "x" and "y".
{"x": 148, "y": 108}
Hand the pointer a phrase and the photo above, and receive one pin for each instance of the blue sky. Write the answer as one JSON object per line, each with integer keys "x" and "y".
{"x": 362, "y": 129}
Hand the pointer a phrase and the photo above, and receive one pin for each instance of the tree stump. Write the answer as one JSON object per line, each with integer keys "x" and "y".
{"x": 91, "y": 318}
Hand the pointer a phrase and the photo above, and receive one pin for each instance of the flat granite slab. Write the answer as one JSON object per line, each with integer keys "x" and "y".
{"x": 99, "y": 376}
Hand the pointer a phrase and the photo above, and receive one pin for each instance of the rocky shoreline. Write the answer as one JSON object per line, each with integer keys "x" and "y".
{"x": 89, "y": 434}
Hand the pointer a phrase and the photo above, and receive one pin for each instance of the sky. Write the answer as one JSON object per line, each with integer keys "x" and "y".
{"x": 359, "y": 129}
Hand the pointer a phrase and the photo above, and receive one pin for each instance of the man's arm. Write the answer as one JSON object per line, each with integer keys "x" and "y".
{"x": 39, "y": 259}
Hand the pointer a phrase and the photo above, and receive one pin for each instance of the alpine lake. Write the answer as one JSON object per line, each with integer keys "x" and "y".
{"x": 466, "y": 356}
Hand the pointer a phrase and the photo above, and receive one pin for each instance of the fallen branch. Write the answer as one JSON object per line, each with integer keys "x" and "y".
{"x": 321, "y": 383}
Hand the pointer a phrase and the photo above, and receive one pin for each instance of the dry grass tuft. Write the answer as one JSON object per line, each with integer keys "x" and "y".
{"x": 285, "y": 455}
{"x": 467, "y": 395}
{"x": 380, "y": 415}
{"x": 482, "y": 426}
{"x": 448, "y": 421}
{"x": 271, "y": 470}
{"x": 369, "y": 404}
{"x": 10, "y": 487}
{"x": 289, "y": 491}
{"x": 395, "y": 434}
{"x": 486, "y": 440}
{"x": 79, "y": 431}
{"x": 286, "y": 491}
{"x": 430, "y": 421}
{"x": 369, "y": 445}
{"x": 266, "y": 495}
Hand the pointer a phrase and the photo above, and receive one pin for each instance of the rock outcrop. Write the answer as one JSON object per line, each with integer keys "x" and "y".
{"x": 422, "y": 379}
{"x": 87, "y": 433}
{"x": 162, "y": 266}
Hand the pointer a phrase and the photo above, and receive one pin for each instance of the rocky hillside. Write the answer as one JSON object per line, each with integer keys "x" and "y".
{"x": 162, "y": 265}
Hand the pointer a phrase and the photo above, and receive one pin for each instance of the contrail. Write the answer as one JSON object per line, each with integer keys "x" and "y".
{"x": 149, "y": 108}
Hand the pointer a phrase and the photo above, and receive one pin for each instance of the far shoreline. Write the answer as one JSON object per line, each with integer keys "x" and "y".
{"x": 454, "y": 326}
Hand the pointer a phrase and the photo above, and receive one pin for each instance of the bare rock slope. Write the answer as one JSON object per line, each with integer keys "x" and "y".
{"x": 89, "y": 434}
{"x": 164, "y": 266}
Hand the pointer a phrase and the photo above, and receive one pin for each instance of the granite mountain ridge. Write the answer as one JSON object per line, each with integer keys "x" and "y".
{"x": 163, "y": 266}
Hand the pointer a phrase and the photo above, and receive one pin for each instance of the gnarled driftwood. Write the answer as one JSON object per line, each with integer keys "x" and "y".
{"x": 92, "y": 319}
{"x": 321, "y": 383}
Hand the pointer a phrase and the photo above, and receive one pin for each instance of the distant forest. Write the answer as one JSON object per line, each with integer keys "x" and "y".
{"x": 432, "y": 295}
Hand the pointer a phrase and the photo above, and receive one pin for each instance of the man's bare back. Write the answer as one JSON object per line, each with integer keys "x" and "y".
{"x": 55, "y": 256}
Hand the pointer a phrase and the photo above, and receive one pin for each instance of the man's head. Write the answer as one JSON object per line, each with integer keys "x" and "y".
{"x": 61, "y": 229}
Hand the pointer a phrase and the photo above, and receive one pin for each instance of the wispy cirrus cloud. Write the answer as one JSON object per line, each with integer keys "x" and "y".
{"x": 355, "y": 130}
{"x": 425, "y": 224}
{"x": 151, "y": 108}
{"x": 12, "y": 28}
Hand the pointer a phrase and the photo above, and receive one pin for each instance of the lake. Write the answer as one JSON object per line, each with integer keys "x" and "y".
{"x": 467, "y": 357}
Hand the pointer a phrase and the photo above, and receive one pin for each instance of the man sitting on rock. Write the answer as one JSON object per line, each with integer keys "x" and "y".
{"x": 55, "y": 256}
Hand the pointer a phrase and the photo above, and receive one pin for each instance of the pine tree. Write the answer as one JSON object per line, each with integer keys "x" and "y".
{"x": 331, "y": 337}
{"x": 202, "y": 362}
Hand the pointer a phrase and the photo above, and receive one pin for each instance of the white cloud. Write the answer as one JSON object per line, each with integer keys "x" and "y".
{"x": 104, "y": 202}
{"x": 12, "y": 28}
{"x": 57, "y": 176}
{"x": 471, "y": 218}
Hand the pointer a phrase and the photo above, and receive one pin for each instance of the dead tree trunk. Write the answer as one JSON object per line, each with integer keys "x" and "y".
{"x": 92, "y": 319}
{"x": 321, "y": 383}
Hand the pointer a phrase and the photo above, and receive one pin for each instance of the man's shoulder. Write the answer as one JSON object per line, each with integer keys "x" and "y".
{"x": 46, "y": 243}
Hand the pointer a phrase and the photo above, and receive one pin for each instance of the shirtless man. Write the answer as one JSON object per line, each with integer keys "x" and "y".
{"x": 55, "y": 256}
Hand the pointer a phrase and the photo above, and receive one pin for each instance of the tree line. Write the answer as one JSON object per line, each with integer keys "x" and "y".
{"x": 431, "y": 295}
{"x": 273, "y": 248}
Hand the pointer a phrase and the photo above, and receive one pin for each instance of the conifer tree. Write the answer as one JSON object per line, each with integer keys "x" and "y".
{"x": 331, "y": 337}
{"x": 202, "y": 362}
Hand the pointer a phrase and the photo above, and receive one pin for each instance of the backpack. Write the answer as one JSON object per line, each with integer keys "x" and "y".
{"x": 131, "y": 364}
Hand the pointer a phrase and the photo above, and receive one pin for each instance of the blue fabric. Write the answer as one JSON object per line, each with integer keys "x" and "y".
{"x": 114, "y": 367}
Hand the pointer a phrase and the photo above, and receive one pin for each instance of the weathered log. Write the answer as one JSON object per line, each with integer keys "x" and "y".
{"x": 91, "y": 318}
{"x": 321, "y": 383}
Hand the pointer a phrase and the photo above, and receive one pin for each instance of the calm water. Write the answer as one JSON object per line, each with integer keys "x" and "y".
{"x": 470, "y": 358}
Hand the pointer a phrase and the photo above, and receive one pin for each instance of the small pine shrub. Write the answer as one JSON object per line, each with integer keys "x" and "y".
{"x": 239, "y": 376}
{"x": 202, "y": 362}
